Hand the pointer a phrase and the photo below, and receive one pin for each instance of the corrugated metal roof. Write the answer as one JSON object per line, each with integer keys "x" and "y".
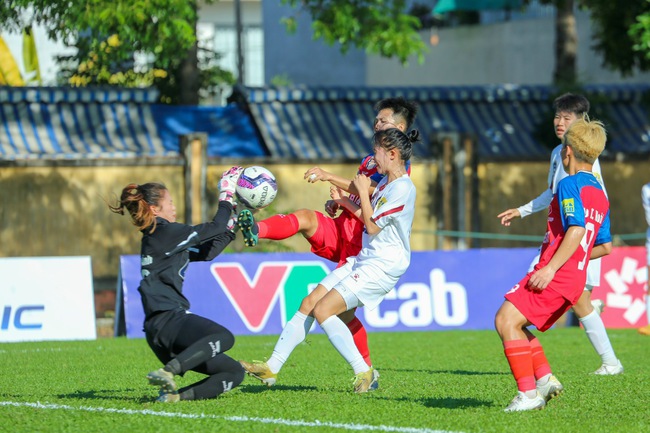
{"x": 332, "y": 122}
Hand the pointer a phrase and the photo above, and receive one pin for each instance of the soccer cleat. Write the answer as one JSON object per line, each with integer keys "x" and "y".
{"x": 644, "y": 330}
{"x": 168, "y": 397}
{"x": 521, "y": 403}
{"x": 610, "y": 370}
{"x": 598, "y": 305}
{"x": 362, "y": 381}
{"x": 553, "y": 388}
{"x": 246, "y": 223}
{"x": 260, "y": 370}
{"x": 164, "y": 379}
{"x": 374, "y": 385}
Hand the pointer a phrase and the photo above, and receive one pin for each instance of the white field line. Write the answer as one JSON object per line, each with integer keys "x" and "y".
{"x": 277, "y": 421}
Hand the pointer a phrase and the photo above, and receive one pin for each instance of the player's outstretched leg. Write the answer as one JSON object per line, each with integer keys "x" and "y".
{"x": 246, "y": 223}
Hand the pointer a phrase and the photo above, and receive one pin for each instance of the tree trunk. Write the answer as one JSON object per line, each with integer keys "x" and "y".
{"x": 566, "y": 44}
{"x": 188, "y": 85}
{"x": 189, "y": 78}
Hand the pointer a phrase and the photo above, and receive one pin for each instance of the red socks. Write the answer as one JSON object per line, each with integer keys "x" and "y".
{"x": 519, "y": 356}
{"x": 278, "y": 227}
{"x": 360, "y": 338}
{"x": 541, "y": 366}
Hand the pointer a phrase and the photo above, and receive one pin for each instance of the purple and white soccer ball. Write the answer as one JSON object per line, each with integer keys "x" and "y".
{"x": 256, "y": 187}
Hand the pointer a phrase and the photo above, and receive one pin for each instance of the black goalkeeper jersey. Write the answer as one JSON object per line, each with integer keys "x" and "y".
{"x": 166, "y": 253}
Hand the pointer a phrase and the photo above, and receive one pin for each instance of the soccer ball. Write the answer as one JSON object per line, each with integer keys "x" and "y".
{"x": 256, "y": 187}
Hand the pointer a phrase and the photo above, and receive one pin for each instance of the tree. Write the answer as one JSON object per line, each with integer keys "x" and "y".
{"x": 123, "y": 42}
{"x": 379, "y": 26}
{"x": 621, "y": 33}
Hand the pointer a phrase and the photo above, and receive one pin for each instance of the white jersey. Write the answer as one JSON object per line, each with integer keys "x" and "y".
{"x": 645, "y": 198}
{"x": 393, "y": 210}
{"x": 555, "y": 174}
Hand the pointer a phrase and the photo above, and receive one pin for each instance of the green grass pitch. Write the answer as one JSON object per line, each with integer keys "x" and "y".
{"x": 452, "y": 381}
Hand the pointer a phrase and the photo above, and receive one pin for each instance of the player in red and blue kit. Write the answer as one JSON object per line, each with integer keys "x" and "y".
{"x": 577, "y": 231}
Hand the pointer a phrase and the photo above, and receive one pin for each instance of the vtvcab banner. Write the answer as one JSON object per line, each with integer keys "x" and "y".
{"x": 256, "y": 293}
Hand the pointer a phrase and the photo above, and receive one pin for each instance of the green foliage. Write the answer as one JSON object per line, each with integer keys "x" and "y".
{"x": 621, "y": 33}
{"x": 128, "y": 43}
{"x": 378, "y": 26}
{"x": 640, "y": 34}
{"x": 281, "y": 80}
{"x": 456, "y": 381}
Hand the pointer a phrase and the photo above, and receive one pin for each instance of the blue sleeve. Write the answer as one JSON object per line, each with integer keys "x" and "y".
{"x": 572, "y": 211}
{"x": 604, "y": 234}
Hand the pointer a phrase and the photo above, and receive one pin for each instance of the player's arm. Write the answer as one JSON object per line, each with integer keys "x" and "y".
{"x": 600, "y": 250}
{"x": 316, "y": 174}
{"x": 362, "y": 183}
{"x": 541, "y": 278}
{"x": 344, "y": 202}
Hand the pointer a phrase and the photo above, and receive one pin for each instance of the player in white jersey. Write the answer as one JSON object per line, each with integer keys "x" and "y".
{"x": 365, "y": 279}
{"x": 645, "y": 199}
{"x": 568, "y": 108}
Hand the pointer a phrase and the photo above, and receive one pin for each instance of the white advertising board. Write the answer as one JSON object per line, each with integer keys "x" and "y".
{"x": 46, "y": 298}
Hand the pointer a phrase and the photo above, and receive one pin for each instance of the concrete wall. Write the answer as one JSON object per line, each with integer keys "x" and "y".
{"x": 517, "y": 52}
{"x": 62, "y": 211}
{"x": 303, "y": 60}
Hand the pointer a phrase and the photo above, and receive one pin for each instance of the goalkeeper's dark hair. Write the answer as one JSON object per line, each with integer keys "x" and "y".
{"x": 393, "y": 138}
{"x": 402, "y": 109}
{"x": 137, "y": 200}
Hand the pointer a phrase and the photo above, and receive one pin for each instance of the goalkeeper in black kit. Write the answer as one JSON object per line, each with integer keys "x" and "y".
{"x": 182, "y": 341}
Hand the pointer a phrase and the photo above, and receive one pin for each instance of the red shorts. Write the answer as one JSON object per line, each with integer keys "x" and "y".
{"x": 338, "y": 238}
{"x": 542, "y": 309}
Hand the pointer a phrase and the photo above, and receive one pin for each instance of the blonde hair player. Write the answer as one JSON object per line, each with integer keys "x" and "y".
{"x": 577, "y": 231}
{"x": 570, "y": 107}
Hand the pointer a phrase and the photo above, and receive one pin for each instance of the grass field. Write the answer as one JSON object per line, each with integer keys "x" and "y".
{"x": 454, "y": 381}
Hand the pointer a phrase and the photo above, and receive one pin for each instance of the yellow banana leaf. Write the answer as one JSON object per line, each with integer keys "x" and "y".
{"x": 30, "y": 57}
{"x": 9, "y": 72}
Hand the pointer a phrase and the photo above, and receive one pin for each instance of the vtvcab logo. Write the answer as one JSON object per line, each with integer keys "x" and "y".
{"x": 441, "y": 301}
{"x": 418, "y": 304}
{"x": 254, "y": 298}
{"x": 22, "y": 317}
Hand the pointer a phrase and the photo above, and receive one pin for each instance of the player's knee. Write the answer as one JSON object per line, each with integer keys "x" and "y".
{"x": 307, "y": 219}
{"x": 502, "y": 323}
{"x": 307, "y": 305}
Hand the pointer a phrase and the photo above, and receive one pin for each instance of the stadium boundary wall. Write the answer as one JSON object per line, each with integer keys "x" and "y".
{"x": 59, "y": 209}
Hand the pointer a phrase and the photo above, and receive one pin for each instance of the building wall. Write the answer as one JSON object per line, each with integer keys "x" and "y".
{"x": 517, "y": 52}
{"x": 62, "y": 211}
{"x": 301, "y": 59}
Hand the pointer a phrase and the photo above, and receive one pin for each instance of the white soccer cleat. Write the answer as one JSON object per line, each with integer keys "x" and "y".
{"x": 521, "y": 403}
{"x": 553, "y": 388}
{"x": 610, "y": 370}
{"x": 598, "y": 305}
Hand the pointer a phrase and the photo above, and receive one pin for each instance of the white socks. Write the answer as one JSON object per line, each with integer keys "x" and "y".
{"x": 341, "y": 338}
{"x": 293, "y": 334}
{"x": 597, "y": 334}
